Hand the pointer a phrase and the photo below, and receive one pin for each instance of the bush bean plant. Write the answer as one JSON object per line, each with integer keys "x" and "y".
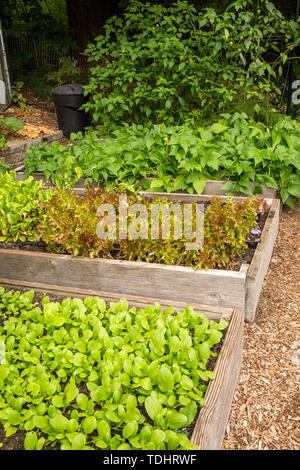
{"x": 79, "y": 375}
{"x": 182, "y": 157}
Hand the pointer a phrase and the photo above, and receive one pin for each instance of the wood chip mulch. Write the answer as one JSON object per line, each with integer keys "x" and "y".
{"x": 38, "y": 118}
{"x": 265, "y": 412}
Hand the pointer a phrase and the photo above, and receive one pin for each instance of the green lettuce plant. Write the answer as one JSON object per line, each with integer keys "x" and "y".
{"x": 3, "y": 166}
{"x": 80, "y": 375}
{"x": 20, "y": 212}
{"x": 69, "y": 225}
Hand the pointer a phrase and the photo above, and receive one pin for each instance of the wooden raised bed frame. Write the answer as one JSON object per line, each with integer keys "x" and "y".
{"x": 209, "y": 430}
{"x": 212, "y": 186}
{"x": 144, "y": 283}
{"x": 210, "y": 426}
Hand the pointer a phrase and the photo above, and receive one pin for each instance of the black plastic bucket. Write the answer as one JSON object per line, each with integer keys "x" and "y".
{"x": 67, "y": 100}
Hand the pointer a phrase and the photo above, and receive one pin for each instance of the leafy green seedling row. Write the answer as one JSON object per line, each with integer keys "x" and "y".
{"x": 235, "y": 148}
{"x": 20, "y": 211}
{"x": 79, "y": 375}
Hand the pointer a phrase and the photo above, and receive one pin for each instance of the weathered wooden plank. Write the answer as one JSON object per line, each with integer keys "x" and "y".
{"x": 211, "y": 422}
{"x": 14, "y": 153}
{"x": 260, "y": 261}
{"x": 163, "y": 282}
{"x": 179, "y": 197}
{"x": 190, "y": 198}
{"x": 40, "y": 176}
{"x": 212, "y": 186}
{"x": 244, "y": 268}
{"x": 212, "y": 312}
{"x": 215, "y": 187}
{"x": 210, "y": 426}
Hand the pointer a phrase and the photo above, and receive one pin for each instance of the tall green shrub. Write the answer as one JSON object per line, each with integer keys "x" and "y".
{"x": 166, "y": 64}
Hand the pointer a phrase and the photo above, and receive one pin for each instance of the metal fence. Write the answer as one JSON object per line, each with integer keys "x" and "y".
{"x": 85, "y": 18}
{"x": 40, "y": 50}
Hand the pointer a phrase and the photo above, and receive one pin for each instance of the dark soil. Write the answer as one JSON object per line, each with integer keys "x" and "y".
{"x": 25, "y": 246}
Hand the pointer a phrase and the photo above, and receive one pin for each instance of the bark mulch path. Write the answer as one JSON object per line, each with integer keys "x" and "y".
{"x": 38, "y": 118}
{"x": 265, "y": 413}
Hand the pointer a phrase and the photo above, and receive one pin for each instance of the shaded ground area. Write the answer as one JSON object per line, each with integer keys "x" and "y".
{"x": 38, "y": 118}
{"x": 265, "y": 412}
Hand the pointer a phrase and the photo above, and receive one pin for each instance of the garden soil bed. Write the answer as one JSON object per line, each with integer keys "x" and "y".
{"x": 208, "y": 428}
{"x": 144, "y": 283}
{"x": 235, "y": 265}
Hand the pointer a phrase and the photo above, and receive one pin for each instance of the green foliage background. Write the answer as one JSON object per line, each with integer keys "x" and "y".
{"x": 170, "y": 65}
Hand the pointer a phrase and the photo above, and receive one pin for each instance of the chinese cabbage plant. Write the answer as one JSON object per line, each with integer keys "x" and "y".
{"x": 81, "y": 375}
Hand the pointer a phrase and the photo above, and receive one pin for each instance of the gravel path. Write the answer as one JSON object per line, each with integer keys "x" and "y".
{"x": 265, "y": 412}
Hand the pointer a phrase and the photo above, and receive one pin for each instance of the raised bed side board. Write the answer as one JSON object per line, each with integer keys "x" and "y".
{"x": 13, "y": 154}
{"x": 212, "y": 186}
{"x": 212, "y": 420}
{"x": 144, "y": 282}
{"x": 210, "y": 426}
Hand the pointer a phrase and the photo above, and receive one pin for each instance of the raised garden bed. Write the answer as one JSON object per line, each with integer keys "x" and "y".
{"x": 215, "y": 187}
{"x": 208, "y": 427}
{"x": 142, "y": 283}
{"x": 14, "y": 153}
{"x": 212, "y": 186}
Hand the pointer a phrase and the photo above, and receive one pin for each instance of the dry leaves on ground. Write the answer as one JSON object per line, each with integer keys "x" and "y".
{"x": 37, "y": 121}
{"x": 33, "y": 131}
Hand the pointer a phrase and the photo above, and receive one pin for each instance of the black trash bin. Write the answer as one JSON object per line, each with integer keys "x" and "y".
{"x": 67, "y": 100}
